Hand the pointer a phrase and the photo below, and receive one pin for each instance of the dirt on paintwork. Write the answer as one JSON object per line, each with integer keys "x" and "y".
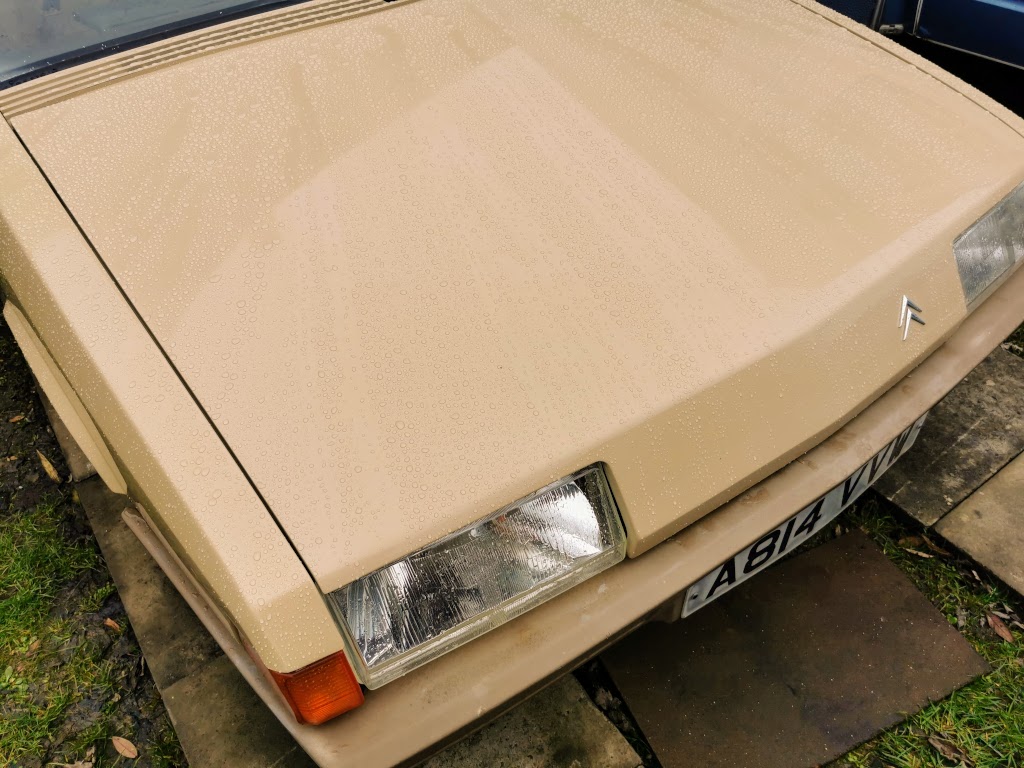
{"x": 88, "y": 674}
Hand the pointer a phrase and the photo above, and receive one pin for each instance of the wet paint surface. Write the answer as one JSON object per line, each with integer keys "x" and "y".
{"x": 173, "y": 460}
{"x": 419, "y": 263}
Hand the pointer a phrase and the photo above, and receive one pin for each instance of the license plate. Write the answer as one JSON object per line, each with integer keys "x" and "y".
{"x": 797, "y": 529}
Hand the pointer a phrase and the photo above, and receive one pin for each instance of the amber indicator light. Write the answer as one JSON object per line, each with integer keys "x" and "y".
{"x": 321, "y": 691}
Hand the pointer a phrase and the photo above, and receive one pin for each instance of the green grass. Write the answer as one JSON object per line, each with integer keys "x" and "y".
{"x": 37, "y": 680}
{"x": 65, "y": 683}
{"x": 34, "y": 563}
{"x": 985, "y": 720}
{"x": 71, "y": 672}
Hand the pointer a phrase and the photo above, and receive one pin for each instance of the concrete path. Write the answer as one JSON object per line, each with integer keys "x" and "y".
{"x": 965, "y": 475}
{"x": 970, "y": 435}
{"x": 989, "y": 525}
{"x": 802, "y": 664}
{"x": 559, "y": 727}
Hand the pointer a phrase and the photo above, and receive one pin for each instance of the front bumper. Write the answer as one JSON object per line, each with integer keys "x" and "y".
{"x": 410, "y": 717}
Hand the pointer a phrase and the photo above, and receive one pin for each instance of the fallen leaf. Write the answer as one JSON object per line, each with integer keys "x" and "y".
{"x": 961, "y": 618}
{"x": 112, "y": 624}
{"x": 48, "y": 467}
{"x": 911, "y": 541}
{"x": 1001, "y": 615}
{"x": 16, "y": 419}
{"x": 935, "y": 547}
{"x": 124, "y": 747}
{"x": 947, "y": 749}
{"x": 925, "y": 555}
{"x": 33, "y": 648}
{"x": 999, "y": 628}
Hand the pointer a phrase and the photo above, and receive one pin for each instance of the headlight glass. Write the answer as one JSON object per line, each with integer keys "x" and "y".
{"x": 421, "y": 607}
{"x": 991, "y": 245}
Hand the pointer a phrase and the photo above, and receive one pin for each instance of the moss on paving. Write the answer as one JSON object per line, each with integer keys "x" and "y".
{"x": 71, "y": 673}
{"x": 984, "y": 721}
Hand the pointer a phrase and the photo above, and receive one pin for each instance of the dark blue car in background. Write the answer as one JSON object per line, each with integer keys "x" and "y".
{"x": 993, "y": 29}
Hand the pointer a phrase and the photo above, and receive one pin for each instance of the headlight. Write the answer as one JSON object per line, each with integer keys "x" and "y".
{"x": 421, "y": 607}
{"x": 992, "y": 245}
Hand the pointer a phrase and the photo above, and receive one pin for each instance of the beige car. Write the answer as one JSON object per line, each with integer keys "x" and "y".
{"x": 440, "y": 343}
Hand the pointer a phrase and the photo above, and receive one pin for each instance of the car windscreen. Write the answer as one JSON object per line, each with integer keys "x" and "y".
{"x": 40, "y": 36}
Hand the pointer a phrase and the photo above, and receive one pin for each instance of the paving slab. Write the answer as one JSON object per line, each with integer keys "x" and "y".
{"x": 558, "y": 728}
{"x": 795, "y": 667}
{"x": 217, "y": 713}
{"x": 174, "y": 642}
{"x": 970, "y": 435}
{"x": 989, "y": 525}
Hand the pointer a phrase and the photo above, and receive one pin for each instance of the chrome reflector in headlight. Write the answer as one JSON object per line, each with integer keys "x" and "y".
{"x": 421, "y": 607}
{"x": 992, "y": 245}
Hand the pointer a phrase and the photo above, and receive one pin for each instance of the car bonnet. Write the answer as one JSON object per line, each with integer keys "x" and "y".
{"x": 416, "y": 263}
